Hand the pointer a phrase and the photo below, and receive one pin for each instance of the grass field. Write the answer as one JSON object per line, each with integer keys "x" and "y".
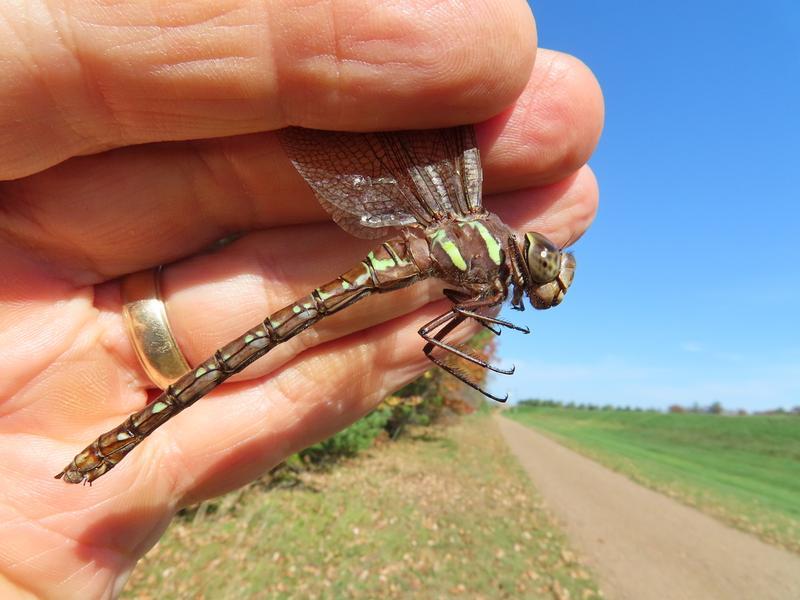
{"x": 444, "y": 513}
{"x": 744, "y": 470}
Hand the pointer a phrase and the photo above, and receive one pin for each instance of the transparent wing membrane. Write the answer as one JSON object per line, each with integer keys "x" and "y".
{"x": 371, "y": 183}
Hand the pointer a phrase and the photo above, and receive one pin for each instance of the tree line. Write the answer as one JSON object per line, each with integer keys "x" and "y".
{"x": 715, "y": 408}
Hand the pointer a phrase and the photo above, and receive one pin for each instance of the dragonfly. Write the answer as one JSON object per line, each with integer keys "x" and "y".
{"x": 421, "y": 190}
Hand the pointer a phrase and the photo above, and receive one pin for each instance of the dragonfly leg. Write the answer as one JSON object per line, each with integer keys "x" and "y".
{"x": 490, "y": 328}
{"x": 453, "y": 320}
{"x": 458, "y": 298}
{"x": 466, "y": 306}
{"x": 485, "y": 320}
{"x": 461, "y": 376}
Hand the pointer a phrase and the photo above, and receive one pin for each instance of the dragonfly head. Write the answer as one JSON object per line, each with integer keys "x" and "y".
{"x": 550, "y": 270}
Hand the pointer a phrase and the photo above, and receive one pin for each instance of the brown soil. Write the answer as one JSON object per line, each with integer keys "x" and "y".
{"x": 643, "y": 545}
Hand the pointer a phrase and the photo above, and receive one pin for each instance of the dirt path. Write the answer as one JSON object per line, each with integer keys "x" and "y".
{"x": 643, "y": 545}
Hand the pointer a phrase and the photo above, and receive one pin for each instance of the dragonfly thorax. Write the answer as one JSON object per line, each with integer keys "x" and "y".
{"x": 470, "y": 252}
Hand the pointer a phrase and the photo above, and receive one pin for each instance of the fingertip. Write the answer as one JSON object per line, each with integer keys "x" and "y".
{"x": 552, "y": 129}
{"x": 562, "y": 211}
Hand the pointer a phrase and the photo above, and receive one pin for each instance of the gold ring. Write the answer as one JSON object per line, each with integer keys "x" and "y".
{"x": 148, "y": 328}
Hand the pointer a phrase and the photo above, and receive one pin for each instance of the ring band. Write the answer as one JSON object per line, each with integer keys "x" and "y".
{"x": 148, "y": 328}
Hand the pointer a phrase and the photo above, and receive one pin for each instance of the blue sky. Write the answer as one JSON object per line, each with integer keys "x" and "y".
{"x": 688, "y": 283}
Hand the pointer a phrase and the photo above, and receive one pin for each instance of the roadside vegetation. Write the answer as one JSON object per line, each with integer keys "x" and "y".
{"x": 744, "y": 470}
{"x": 443, "y": 512}
{"x": 419, "y": 499}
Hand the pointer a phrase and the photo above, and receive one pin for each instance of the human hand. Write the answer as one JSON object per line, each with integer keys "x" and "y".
{"x": 134, "y": 138}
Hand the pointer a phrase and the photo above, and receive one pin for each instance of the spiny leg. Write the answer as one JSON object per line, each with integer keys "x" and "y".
{"x": 451, "y": 320}
{"x": 463, "y": 377}
{"x": 467, "y": 306}
{"x": 481, "y": 318}
{"x": 458, "y": 298}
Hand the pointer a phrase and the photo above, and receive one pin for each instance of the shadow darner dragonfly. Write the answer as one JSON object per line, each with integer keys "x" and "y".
{"x": 422, "y": 189}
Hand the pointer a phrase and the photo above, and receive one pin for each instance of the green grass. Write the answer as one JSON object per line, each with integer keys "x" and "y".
{"x": 441, "y": 514}
{"x": 744, "y": 470}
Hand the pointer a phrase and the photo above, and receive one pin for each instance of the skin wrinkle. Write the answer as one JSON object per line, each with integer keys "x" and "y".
{"x": 41, "y": 524}
{"x": 337, "y": 54}
{"x": 157, "y": 45}
{"x": 114, "y": 342}
{"x": 55, "y": 355}
{"x": 199, "y": 185}
{"x": 109, "y": 126}
{"x": 9, "y": 210}
{"x": 69, "y": 42}
{"x": 236, "y": 170}
{"x": 397, "y": 82}
{"x": 486, "y": 82}
{"x": 26, "y": 208}
{"x": 18, "y": 587}
{"x": 271, "y": 51}
{"x": 554, "y": 152}
{"x": 394, "y": 37}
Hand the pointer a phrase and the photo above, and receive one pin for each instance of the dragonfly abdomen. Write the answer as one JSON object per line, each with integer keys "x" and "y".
{"x": 395, "y": 264}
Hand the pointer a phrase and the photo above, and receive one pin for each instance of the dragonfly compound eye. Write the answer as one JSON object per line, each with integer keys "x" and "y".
{"x": 543, "y": 258}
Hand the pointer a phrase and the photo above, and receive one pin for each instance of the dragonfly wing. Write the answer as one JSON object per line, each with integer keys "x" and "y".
{"x": 354, "y": 224}
{"x": 443, "y": 166}
{"x": 374, "y": 182}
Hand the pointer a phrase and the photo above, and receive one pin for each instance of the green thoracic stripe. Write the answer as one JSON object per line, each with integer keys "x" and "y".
{"x": 450, "y": 248}
{"x": 491, "y": 242}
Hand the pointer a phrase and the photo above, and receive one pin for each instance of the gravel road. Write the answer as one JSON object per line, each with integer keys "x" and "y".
{"x": 643, "y": 545}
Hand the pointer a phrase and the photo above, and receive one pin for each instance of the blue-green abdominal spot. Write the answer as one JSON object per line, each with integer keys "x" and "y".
{"x": 379, "y": 264}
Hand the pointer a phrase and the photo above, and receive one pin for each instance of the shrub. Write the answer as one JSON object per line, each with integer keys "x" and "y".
{"x": 349, "y": 442}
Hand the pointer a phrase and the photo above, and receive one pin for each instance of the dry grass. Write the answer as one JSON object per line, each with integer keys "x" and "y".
{"x": 445, "y": 513}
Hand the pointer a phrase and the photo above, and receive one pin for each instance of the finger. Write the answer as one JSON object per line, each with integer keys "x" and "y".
{"x": 264, "y": 272}
{"x": 168, "y": 201}
{"x": 563, "y": 211}
{"x": 550, "y": 131}
{"x": 124, "y": 73}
